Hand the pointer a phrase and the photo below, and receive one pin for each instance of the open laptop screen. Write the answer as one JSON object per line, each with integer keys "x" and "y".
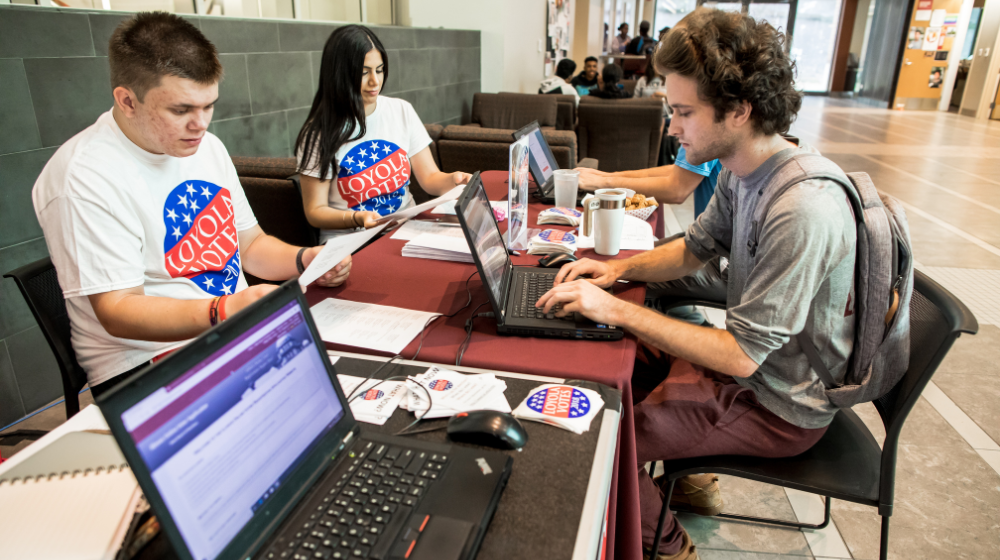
{"x": 486, "y": 241}
{"x": 224, "y": 436}
{"x": 540, "y": 160}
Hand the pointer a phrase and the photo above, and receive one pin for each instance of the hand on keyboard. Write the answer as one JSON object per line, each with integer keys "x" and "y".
{"x": 586, "y": 298}
{"x": 602, "y": 274}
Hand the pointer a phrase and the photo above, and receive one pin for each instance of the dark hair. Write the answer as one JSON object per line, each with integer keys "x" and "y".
{"x": 590, "y": 59}
{"x": 623, "y": 24}
{"x": 734, "y": 58}
{"x": 565, "y": 68}
{"x": 612, "y": 74}
{"x": 337, "y": 107}
{"x": 150, "y": 45}
{"x": 644, "y": 27}
{"x": 661, "y": 32}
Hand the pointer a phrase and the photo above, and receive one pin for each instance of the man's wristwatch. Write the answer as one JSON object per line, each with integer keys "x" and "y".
{"x": 298, "y": 261}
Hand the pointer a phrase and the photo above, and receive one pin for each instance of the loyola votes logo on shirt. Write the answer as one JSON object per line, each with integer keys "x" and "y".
{"x": 373, "y": 177}
{"x": 201, "y": 243}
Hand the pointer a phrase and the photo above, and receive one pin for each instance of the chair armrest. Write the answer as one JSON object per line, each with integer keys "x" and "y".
{"x": 559, "y": 137}
{"x": 678, "y": 301}
{"x": 589, "y": 163}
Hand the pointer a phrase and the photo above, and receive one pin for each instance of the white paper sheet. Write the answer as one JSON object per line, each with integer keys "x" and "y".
{"x": 414, "y": 210}
{"x": 366, "y": 325}
{"x": 413, "y": 228}
{"x": 453, "y": 392}
{"x": 439, "y": 247}
{"x": 448, "y": 208}
{"x": 335, "y": 250}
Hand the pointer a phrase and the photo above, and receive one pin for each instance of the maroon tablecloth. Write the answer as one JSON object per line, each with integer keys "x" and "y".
{"x": 381, "y": 275}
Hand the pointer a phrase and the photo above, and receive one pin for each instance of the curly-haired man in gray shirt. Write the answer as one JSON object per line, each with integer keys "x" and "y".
{"x": 748, "y": 389}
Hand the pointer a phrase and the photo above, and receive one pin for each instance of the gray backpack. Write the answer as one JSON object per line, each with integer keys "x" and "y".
{"x": 883, "y": 281}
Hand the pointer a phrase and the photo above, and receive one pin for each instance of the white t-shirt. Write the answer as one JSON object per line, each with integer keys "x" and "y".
{"x": 116, "y": 216}
{"x": 374, "y": 171}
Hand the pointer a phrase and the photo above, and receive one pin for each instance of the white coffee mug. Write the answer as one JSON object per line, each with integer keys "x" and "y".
{"x": 567, "y": 182}
{"x": 603, "y": 218}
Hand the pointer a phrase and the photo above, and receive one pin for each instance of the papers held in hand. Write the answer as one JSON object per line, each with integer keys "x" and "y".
{"x": 336, "y": 249}
{"x": 414, "y": 210}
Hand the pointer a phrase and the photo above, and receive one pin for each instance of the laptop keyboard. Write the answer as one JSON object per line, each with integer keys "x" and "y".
{"x": 359, "y": 513}
{"x": 533, "y": 286}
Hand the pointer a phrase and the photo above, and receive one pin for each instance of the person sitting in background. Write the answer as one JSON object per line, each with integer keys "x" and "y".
{"x": 588, "y": 80}
{"x": 651, "y": 84}
{"x": 621, "y": 40}
{"x": 612, "y": 89}
{"x": 357, "y": 150}
{"x": 557, "y": 84}
{"x": 144, "y": 217}
{"x": 642, "y": 44}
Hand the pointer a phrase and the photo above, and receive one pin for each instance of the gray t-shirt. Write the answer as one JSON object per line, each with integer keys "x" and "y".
{"x": 802, "y": 276}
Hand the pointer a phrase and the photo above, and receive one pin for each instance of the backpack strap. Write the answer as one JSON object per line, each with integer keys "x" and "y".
{"x": 854, "y": 199}
{"x": 773, "y": 194}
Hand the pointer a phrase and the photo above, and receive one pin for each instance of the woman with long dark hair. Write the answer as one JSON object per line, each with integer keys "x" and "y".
{"x": 357, "y": 150}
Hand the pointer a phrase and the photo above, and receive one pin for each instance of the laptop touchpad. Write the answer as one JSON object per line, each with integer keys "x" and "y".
{"x": 443, "y": 539}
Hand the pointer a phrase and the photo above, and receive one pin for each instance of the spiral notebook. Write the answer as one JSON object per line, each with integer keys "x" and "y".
{"x": 73, "y": 499}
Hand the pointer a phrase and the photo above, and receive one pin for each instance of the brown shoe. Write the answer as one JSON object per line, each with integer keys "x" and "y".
{"x": 695, "y": 493}
{"x": 687, "y": 551}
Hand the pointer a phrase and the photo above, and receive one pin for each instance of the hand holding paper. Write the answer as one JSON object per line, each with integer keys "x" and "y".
{"x": 414, "y": 210}
{"x": 336, "y": 250}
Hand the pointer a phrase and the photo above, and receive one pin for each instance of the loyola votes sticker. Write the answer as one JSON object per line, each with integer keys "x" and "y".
{"x": 441, "y": 385}
{"x": 557, "y": 236}
{"x": 373, "y": 394}
{"x": 560, "y": 401}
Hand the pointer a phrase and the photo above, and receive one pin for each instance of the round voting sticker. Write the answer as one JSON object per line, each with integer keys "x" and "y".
{"x": 373, "y": 394}
{"x": 441, "y": 385}
{"x": 557, "y": 236}
{"x": 560, "y": 401}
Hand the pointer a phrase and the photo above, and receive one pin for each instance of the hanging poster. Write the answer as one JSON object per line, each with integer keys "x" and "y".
{"x": 915, "y": 39}
{"x": 931, "y": 39}
{"x": 936, "y": 77}
{"x": 937, "y": 18}
{"x": 924, "y": 10}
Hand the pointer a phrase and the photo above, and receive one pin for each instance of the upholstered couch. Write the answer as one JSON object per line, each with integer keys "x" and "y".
{"x": 622, "y": 134}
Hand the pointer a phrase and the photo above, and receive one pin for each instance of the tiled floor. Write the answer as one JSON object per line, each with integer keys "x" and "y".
{"x": 946, "y": 169}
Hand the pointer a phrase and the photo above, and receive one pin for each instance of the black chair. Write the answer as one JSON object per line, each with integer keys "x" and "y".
{"x": 847, "y": 462}
{"x": 40, "y": 287}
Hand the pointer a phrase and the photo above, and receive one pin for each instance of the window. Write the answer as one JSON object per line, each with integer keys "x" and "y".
{"x": 813, "y": 42}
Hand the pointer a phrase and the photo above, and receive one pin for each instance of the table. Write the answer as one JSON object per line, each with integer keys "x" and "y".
{"x": 551, "y": 508}
{"x": 381, "y": 275}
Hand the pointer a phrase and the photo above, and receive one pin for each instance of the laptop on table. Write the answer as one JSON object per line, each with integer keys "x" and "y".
{"x": 245, "y": 447}
{"x": 513, "y": 290}
{"x": 542, "y": 163}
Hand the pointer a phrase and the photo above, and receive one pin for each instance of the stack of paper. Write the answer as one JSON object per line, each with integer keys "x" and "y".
{"x": 564, "y": 216}
{"x": 563, "y": 406}
{"x": 375, "y": 404}
{"x": 411, "y": 229}
{"x": 448, "y": 208}
{"x": 552, "y": 241}
{"x": 438, "y": 247}
{"x": 452, "y": 392}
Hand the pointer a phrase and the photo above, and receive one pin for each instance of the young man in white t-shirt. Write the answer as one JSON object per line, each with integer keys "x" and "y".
{"x": 143, "y": 213}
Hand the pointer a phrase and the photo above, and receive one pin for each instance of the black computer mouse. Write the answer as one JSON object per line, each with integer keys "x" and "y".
{"x": 487, "y": 427}
{"x": 556, "y": 260}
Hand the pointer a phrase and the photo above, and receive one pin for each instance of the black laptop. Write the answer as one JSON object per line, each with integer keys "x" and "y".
{"x": 245, "y": 447}
{"x": 542, "y": 163}
{"x": 513, "y": 290}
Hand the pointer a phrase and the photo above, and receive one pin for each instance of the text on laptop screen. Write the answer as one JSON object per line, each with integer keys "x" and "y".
{"x": 223, "y": 437}
{"x": 541, "y": 160}
{"x": 487, "y": 243}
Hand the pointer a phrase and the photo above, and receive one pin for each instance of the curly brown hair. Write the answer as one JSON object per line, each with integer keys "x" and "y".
{"x": 734, "y": 59}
